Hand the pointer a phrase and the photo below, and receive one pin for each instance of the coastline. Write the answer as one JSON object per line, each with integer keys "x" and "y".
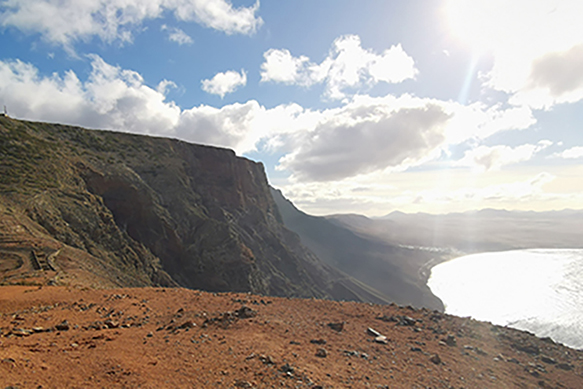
{"x": 528, "y": 289}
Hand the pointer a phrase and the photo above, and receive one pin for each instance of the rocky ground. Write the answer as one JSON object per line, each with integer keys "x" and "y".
{"x": 58, "y": 337}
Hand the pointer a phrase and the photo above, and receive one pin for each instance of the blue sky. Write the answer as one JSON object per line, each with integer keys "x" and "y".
{"x": 353, "y": 106}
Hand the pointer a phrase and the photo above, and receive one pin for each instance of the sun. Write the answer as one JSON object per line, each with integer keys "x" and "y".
{"x": 486, "y": 25}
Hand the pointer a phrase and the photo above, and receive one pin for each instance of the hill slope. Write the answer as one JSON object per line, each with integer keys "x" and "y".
{"x": 103, "y": 209}
{"x": 392, "y": 270}
{"x": 177, "y": 338}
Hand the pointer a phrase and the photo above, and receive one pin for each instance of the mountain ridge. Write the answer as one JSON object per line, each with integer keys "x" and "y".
{"x": 148, "y": 211}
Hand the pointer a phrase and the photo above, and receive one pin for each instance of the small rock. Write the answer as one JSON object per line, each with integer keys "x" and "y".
{"x": 381, "y": 339}
{"x": 548, "y": 360}
{"x": 321, "y": 353}
{"x": 266, "y": 359}
{"x": 150, "y": 334}
{"x": 62, "y": 326}
{"x": 21, "y": 332}
{"x": 318, "y": 341}
{"x": 243, "y": 384}
{"x": 435, "y": 359}
{"x": 408, "y": 321}
{"x": 337, "y": 326}
{"x": 287, "y": 369}
{"x": 388, "y": 318}
{"x": 245, "y": 312}
{"x": 187, "y": 324}
{"x": 111, "y": 323}
{"x": 373, "y": 332}
{"x": 450, "y": 340}
{"x": 565, "y": 366}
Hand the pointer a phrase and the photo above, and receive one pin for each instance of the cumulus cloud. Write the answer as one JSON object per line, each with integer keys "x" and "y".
{"x": 342, "y": 148}
{"x": 111, "y": 98}
{"x": 347, "y": 66}
{"x": 363, "y": 135}
{"x": 223, "y": 83}
{"x": 369, "y": 134}
{"x": 65, "y": 22}
{"x": 217, "y": 14}
{"x": 177, "y": 35}
{"x": 572, "y": 153}
{"x": 493, "y": 158}
{"x": 536, "y": 46}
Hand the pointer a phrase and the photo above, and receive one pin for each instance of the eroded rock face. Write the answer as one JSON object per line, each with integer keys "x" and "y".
{"x": 155, "y": 207}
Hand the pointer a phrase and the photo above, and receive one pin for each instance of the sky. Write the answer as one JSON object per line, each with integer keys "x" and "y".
{"x": 366, "y": 107}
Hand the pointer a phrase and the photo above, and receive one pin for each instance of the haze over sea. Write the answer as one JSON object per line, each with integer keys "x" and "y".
{"x": 538, "y": 290}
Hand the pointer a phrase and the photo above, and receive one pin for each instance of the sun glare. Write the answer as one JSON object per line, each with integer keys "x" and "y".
{"x": 468, "y": 21}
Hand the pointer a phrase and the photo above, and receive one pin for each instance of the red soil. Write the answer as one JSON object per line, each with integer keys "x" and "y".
{"x": 178, "y": 338}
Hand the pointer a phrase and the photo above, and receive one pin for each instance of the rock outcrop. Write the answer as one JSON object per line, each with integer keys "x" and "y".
{"x": 116, "y": 209}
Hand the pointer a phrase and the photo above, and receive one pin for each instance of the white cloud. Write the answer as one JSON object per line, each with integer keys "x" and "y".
{"x": 536, "y": 46}
{"x": 65, "y": 22}
{"x": 223, "y": 83}
{"x": 443, "y": 191}
{"x": 217, "y": 14}
{"x": 347, "y": 66}
{"x": 572, "y": 153}
{"x": 493, "y": 158}
{"x": 111, "y": 98}
{"x": 177, "y": 35}
{"x": 369, "y": 134}
{"x": 349, "y": 144}
{"x": 281, "y": 66}
{"x": 363, "y": 135}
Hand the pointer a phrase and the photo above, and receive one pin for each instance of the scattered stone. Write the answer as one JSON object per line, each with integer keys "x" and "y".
{"x": 187, "y": 324}
{"x": 408, "y": 321}
{"x": 243, "y": 384}
{"x": 450, "y": 340}
{"x": 548, "y": 360}
{"x": 21, "y": 332}
{"x": 150, "y": 334}
{"x": 417, "y": 349}
{"x": 294, "y": 342}
{"x": 62, "y": 326}
{"x": 266, "y": 359}
{"x": 287, "y": 369}
{"x": 318, "y": 341}
{"x": 322, "y": 353}
{"x": 435, "y": 359}
{"x": 111, "y": 323}
{"x": 388, "y": 318}
{"x": 526, "y": 347}
{"x": 337, "y": 326}
{"x": 373, "y": 332}
{"x": 381, "y": 339}
{"x": 245, "y": 312}
{"x": 565, "y": 366}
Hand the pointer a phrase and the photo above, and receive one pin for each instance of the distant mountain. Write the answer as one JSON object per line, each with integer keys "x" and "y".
{"x": 103, "y": 209}
{"x": 395, "y": 272}
{"x": 475, "y": 231}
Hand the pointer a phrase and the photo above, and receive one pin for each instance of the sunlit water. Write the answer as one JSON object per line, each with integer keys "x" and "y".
{"x": 540, "y": 291}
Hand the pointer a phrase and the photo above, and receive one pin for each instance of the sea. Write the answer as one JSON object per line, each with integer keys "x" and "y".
{"x": 537, "y": 290}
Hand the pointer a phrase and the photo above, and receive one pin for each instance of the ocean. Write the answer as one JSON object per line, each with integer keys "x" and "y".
{"x": 538, "y": 290}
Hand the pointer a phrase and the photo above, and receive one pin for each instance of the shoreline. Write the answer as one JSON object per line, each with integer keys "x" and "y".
{"x": 538, "y": 315}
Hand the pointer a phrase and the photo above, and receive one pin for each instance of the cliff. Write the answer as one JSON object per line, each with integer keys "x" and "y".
{"x": 103, "y": 209}
{"x": 394, "y": 271}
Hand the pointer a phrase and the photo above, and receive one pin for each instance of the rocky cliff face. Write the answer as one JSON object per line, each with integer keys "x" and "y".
{"x": 151, "y": 211}
{"x": 393, "y": 271}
